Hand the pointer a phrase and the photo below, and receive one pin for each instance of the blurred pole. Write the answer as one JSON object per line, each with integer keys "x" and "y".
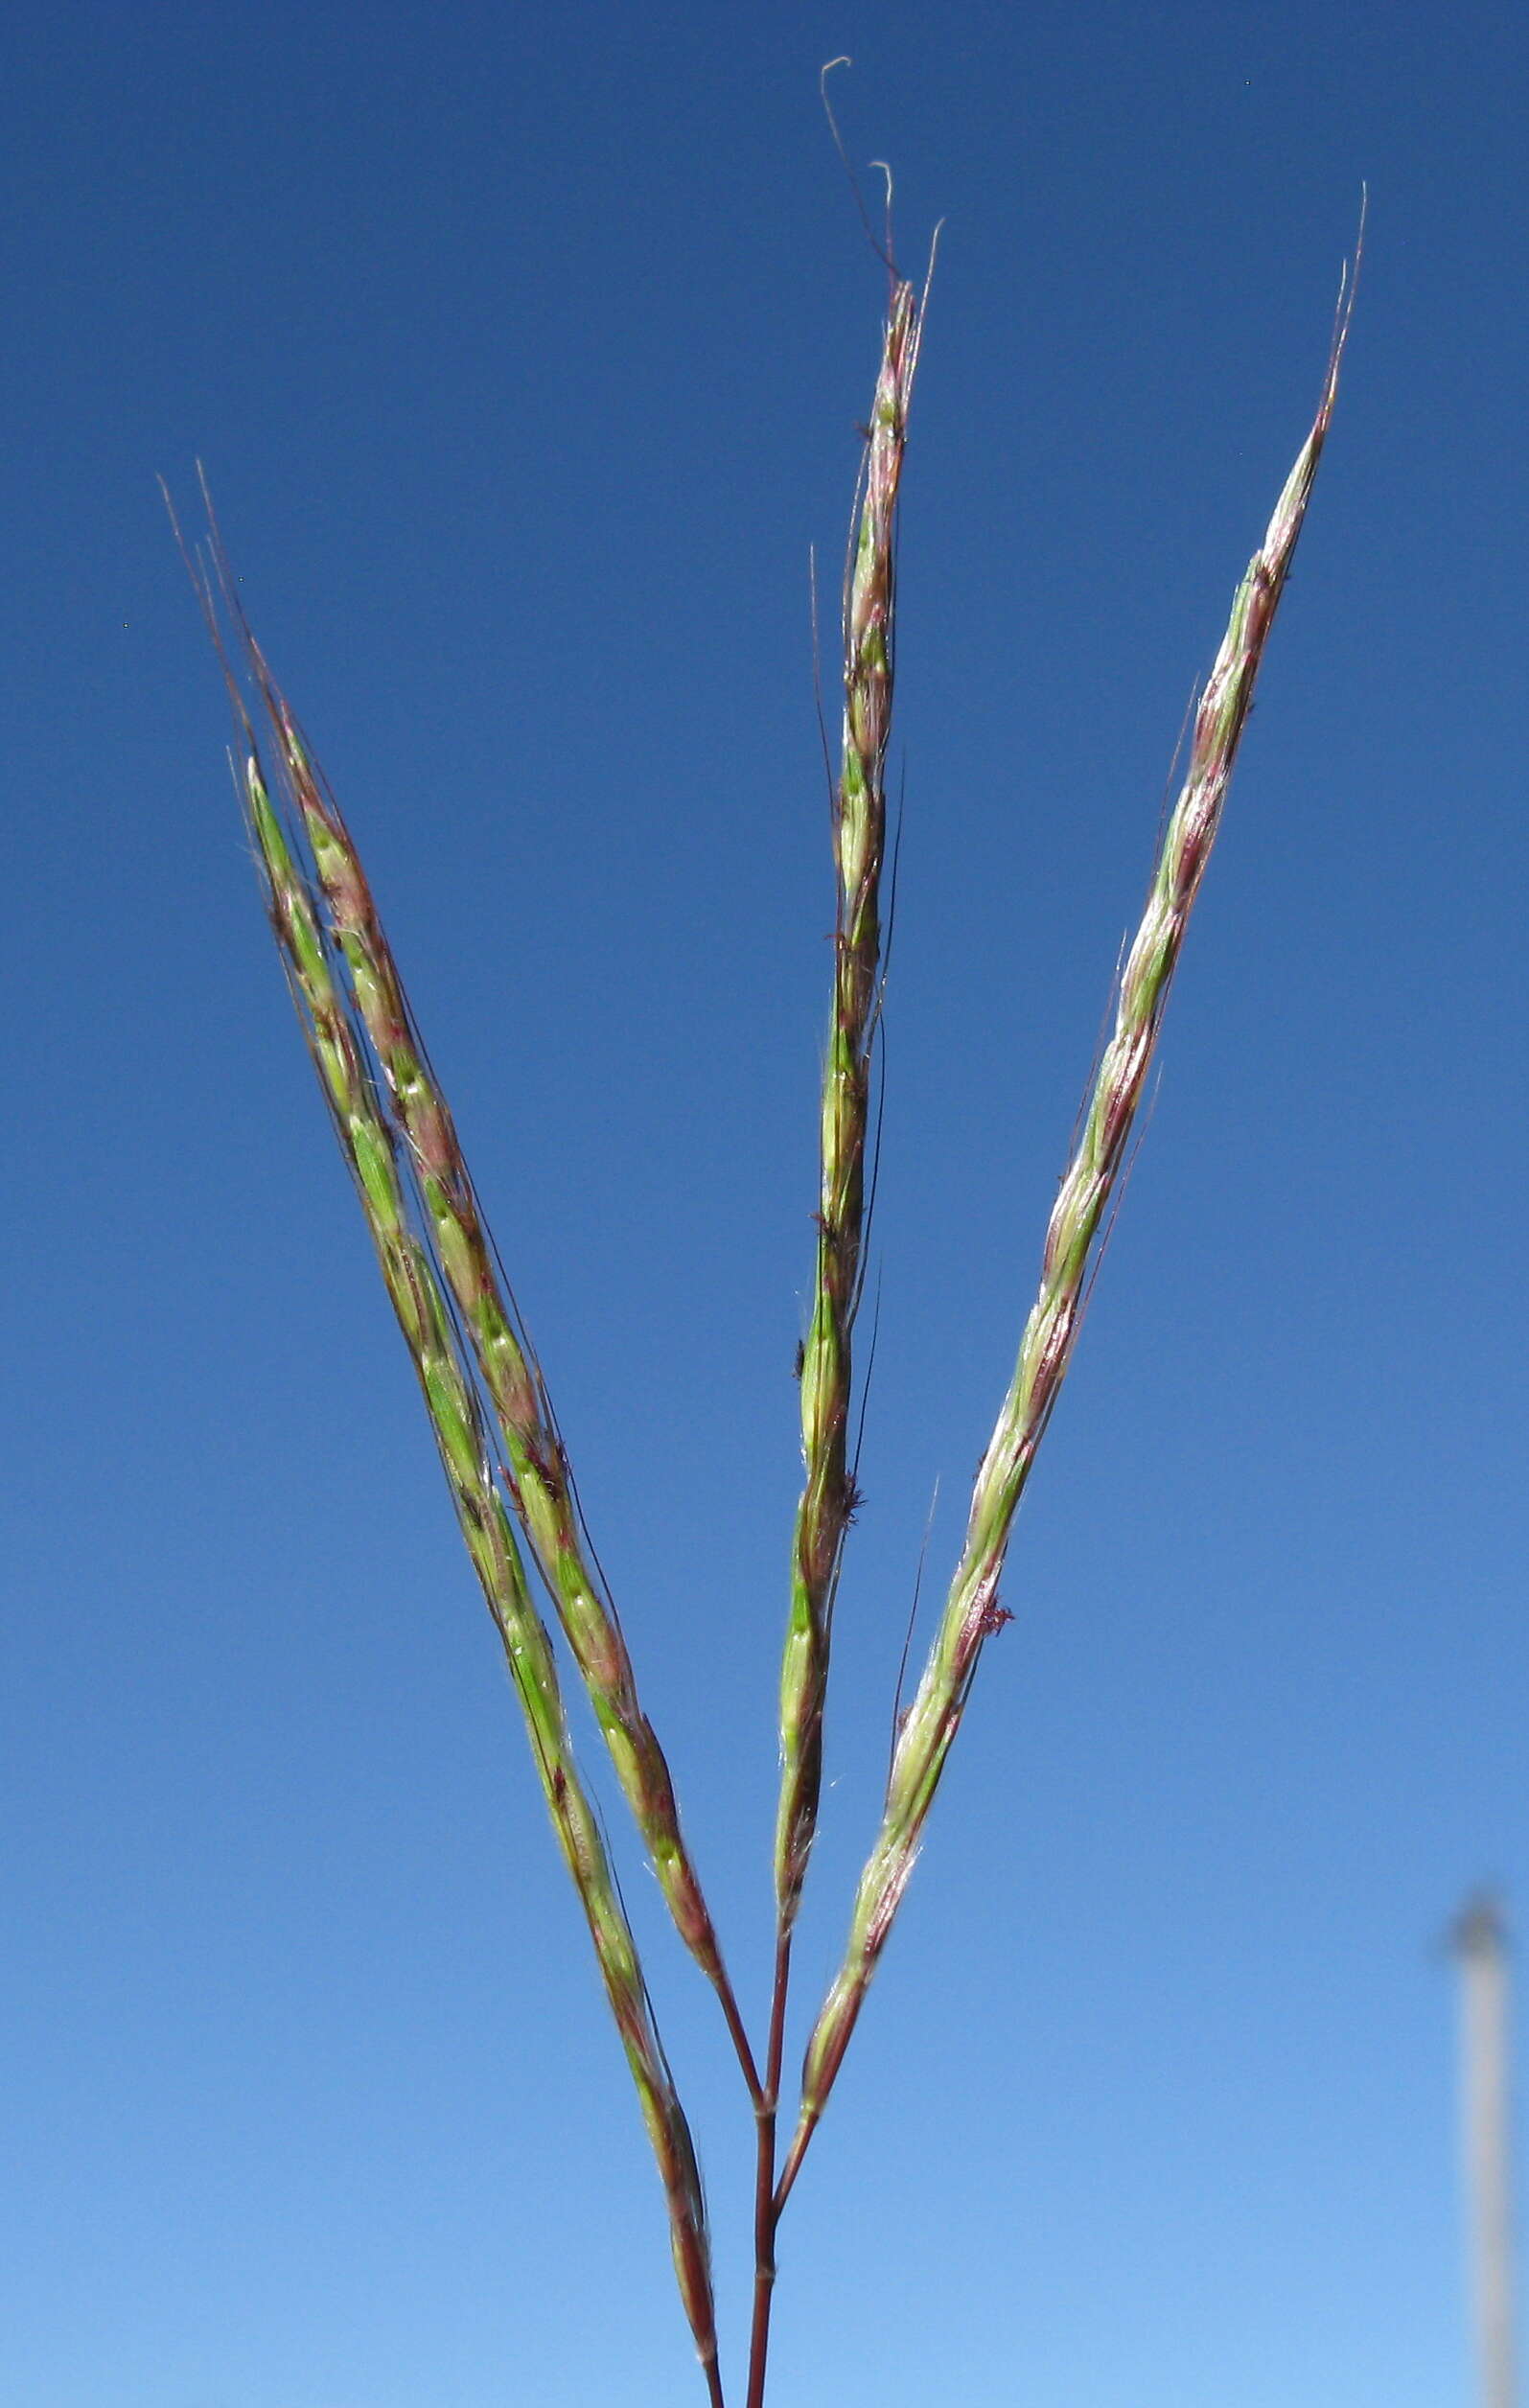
{"x": 1478, "y": 1939}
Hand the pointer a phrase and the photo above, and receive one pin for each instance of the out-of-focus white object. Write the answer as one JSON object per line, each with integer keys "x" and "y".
{"x": 1479, "y": 1942}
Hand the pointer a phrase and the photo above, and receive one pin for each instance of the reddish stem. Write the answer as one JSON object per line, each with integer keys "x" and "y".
{"x": 766, "y": 2214}
{"x": 740, "y": 2042}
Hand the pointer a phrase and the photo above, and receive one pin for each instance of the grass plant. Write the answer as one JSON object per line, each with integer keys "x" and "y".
{"x": 501, "y": 1450}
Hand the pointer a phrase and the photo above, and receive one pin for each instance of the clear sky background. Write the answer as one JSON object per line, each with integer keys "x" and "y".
{"x": 525, "y": 350}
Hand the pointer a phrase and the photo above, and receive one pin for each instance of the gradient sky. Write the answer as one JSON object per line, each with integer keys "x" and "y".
{"x": 525, "y": 350}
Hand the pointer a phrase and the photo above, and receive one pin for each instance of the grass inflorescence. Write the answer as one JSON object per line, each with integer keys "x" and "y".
{"x": 499, "y": 1440}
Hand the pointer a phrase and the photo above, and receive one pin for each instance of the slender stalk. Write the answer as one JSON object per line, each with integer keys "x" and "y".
{"x": 456, "y": 1421}
{"x": 766, "y": 2211}
{"x": 540, "y": 1484}
{"x": 859, "y": 839}
{"x": 973, "y": 1613}
{"x": 764, "y": 2256}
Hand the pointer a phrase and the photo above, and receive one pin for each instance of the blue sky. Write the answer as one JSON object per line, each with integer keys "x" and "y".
{"x": 526, "y": 352}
